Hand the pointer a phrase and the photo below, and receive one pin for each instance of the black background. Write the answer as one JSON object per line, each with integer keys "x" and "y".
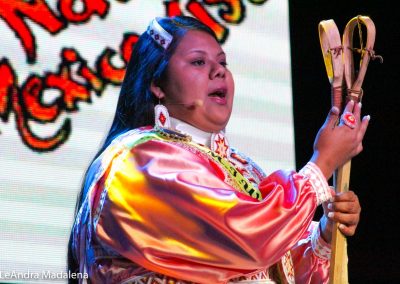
{"x": 374, "y": 250}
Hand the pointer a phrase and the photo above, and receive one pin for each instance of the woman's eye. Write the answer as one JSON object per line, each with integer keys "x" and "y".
{"x": 224, "y": 63}
{"x": 198, "y": 62}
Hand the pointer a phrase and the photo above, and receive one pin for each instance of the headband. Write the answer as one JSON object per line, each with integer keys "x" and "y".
{"x": 158, "y": 34}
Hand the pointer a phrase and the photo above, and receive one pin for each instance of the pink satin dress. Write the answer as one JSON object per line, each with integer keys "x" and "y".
{"x": 163, "y": 209}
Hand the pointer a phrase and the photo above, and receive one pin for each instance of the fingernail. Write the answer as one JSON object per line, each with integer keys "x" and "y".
{"x": 341, "y": 226}
{"x": 330, "y": 215}
{"x": 360, "y": 104}
{"x": 330, "y": 206}
{"x": 367, "y": 117}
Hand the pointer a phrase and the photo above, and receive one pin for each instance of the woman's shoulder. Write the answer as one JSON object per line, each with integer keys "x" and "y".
{"x": 123, "y": 143}
{"x": 133, "y": 137}
{"x": 137, "y": 136}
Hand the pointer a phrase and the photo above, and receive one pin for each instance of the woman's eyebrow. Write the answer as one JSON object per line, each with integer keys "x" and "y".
{"x": 203, "y": 52}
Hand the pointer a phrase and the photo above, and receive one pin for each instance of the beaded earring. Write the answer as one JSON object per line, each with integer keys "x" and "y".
{"x": 161, "y": 116}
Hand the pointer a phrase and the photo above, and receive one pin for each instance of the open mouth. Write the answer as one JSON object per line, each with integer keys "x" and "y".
{"x": 219, "y": 96}
{"x": 219, "y": 93}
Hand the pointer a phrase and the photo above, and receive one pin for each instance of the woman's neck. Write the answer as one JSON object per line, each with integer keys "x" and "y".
{"x": 198, "y": 136}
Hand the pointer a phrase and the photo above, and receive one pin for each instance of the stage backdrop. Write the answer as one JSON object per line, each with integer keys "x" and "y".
{"x": 61, "y": 66}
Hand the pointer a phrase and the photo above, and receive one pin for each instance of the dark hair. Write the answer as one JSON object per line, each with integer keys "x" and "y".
{"x": 135, "y": 107}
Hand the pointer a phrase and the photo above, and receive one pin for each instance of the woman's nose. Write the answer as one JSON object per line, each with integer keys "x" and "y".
{"x": 217, "y": 71}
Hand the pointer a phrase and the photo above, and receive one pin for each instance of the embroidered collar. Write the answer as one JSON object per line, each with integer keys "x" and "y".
{"x": 198, "y": 136}
{"x": 215, "y": 141}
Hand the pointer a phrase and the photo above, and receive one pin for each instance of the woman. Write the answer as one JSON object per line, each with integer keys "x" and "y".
{"x": 167, "y": 200}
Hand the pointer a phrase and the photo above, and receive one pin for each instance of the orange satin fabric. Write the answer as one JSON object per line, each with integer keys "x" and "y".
{"x": 159, "y": 205}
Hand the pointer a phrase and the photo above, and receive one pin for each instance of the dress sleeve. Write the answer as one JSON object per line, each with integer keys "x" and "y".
{"x": 168, "y": 209}
{"x": 311, "y": 257}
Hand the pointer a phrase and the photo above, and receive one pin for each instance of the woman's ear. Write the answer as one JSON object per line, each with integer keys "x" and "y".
{"x": 157, "y": 90}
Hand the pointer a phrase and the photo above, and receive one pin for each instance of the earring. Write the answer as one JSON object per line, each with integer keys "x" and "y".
{"x": 161, "y": 116}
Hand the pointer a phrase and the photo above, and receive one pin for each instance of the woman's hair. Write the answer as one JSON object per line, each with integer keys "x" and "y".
{"x": 135, "y": 107}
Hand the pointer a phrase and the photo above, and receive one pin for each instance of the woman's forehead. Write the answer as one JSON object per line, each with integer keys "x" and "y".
{"x": 198, "y": 42}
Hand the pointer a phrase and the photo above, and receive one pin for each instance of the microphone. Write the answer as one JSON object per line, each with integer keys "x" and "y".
{"x": 194, "y": 104}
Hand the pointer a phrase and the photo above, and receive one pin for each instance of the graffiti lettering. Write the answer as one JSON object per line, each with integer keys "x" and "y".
{"x": 7, "y": 88}
{"x": 32, "y": 96}
{"x": 90, "y": 7}
{"x": 172, "y": 8}
{"x": 234, "y": 11}
{"x": 11, "y": 97}
{"x": 258, "y": 2}
{"x": 199, "y": 11}
{"x": 16, "y": 12}
{"x": 27, "y": 101}
{"x": 93, "y": 81}
{"x": 106, "y": 69}
{"x": 231, "y": 11}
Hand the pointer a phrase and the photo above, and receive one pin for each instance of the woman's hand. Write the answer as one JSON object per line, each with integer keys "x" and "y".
{"x": 336, "y": 144}
{"x": 345, "y": 209}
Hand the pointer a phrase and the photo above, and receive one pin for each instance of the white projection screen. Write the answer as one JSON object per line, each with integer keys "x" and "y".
{"x": 61, "y": 67}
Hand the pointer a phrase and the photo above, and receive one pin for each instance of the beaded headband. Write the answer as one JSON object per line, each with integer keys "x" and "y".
{"x": 158, "y": 34}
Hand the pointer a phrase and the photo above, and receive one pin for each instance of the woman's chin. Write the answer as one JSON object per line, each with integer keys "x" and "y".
{"x": 218, "y": 124}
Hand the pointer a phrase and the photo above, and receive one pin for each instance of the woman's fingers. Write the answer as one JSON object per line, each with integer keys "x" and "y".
{"x": 348, "y": 219}
{"x": 348, "y": 196}
{"x": 332, "y": 118}
{"x": 357, "y": 111}
{"x": 349, "y": 106}
{"x": 345, "y": 202}
{"x": 345, "y": 210}
{"x": 347, "y": 230}
{"x": 347, "y": 222}
{"x": 364, "y": 125}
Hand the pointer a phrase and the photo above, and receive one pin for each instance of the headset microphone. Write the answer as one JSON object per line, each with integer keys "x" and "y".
{"x": 194, "y": 104}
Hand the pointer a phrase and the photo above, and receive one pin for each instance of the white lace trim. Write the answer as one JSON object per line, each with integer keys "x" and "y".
{"x": 318, "y": 182}
{"x": 320, "y": 248}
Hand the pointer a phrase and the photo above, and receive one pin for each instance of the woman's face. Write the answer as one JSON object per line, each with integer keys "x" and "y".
{"x": 197, "y": 72}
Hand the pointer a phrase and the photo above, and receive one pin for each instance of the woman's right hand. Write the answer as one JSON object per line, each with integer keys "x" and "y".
{"x": 335, "y": 144}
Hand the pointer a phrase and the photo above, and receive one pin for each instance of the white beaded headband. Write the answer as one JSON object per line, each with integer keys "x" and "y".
{"x": 161, "y": 36}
